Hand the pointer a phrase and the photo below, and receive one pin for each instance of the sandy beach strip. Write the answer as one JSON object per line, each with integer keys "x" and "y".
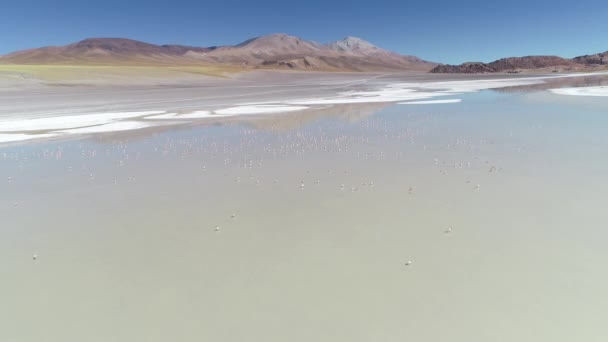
{"x": 431, "y": 102}
{"x": 199, "y": 114}
{"x": 110, "y": 127}
{"x": 258, "y": 109}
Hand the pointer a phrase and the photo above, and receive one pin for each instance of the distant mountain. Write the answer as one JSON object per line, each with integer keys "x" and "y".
{"x": 517, "y": 64}
{"x": 271, "y": 51}
{"x": 597, "y": 59}
{"x": 358, "y": 47}
{"x": 274, "y": 49}
{"x": 355, "y": 46}
{"x": 103, "y": 51}
{"x": 289, "y": 52}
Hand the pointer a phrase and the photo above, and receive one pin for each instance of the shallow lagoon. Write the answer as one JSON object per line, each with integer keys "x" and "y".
{"x": 473, "y": 221}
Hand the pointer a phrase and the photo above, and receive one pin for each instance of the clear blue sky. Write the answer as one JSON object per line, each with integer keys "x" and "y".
{"x": 443, "y": 31}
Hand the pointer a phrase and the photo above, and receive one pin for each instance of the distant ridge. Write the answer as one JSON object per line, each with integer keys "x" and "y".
{"x": 597, "y": 59}
{"x": 290, "y": 52}
{"x": 275, "y": 51}
{"x": 527, "y": 63}
{"x": 104, "y": 51}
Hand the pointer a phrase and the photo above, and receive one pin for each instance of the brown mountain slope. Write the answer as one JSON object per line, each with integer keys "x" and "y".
{"x": 272, "y": 51}
{"x": 597, "y": 59}
{"x": 465, "y": 68}
{"x": 255, "y": 51}
{"x": 284, "y": 51}
{"x": 530, "y": 62}
{"x": 517, "y": 64}
{"x": 358, "y": 47}
{"x": 103, "y": 51}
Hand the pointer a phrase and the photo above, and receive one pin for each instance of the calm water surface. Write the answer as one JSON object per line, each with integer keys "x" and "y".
{"x": 476, "y": 221}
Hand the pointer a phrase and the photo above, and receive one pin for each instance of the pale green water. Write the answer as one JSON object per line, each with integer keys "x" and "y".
{"x": 124, "y": 230}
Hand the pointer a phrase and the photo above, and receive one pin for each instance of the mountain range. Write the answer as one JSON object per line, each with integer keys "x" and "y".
{"x": 275, "y": 51}
{"x": 281, "y": 51}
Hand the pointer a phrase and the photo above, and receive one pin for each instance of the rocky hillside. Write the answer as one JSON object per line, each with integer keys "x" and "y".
{"x": 104, "y": 51}
{"x": 597, "y": 59}
{"x": 517, "y": 64}
{"x": 289, "y": 52}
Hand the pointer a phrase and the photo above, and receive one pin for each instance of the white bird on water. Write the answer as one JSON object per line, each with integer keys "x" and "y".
{"x": 408, "y": 263}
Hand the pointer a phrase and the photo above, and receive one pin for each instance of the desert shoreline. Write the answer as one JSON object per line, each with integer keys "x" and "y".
{"x": 37, "y": 112}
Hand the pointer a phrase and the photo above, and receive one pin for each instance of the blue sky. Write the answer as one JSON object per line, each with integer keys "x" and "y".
{"x": 442, "y": 31}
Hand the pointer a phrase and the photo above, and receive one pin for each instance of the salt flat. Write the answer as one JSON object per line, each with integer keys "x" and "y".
{"x": 582, "y": 91}
{"x": 61, "y": 110}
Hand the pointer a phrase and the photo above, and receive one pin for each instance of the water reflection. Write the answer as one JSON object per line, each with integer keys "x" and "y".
{"x": 351, "y": 223}
{"x": 559, "y": 82}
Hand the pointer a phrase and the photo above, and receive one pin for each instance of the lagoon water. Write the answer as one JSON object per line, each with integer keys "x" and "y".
{"x": 479, "y": 220}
